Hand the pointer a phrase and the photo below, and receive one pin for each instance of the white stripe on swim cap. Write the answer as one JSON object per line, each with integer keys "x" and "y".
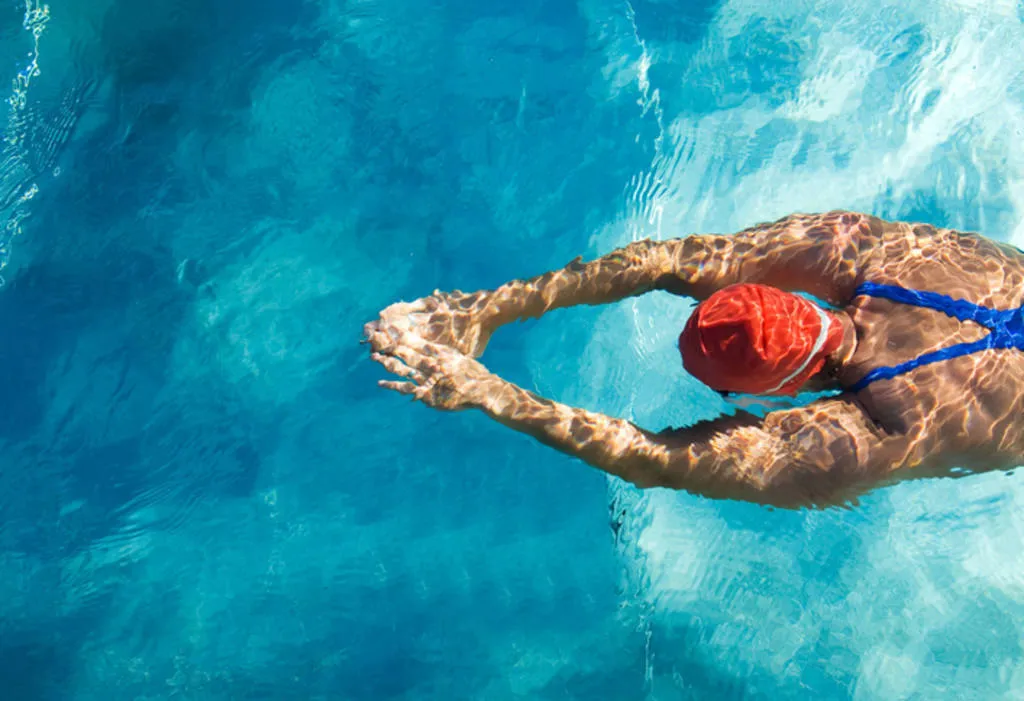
{"x": 826, "y": 324}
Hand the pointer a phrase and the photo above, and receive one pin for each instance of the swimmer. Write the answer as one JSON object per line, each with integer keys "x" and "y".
{"x": 917, "y": 333}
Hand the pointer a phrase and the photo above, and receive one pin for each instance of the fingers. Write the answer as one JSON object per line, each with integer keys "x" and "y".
{"x": 400, "y": 309}
{"x": 400, "y": 387}
{"x": 397, "y": 367}
{"x": 372, "y": 334}
{"x": 444, "y": 318}
{"x": 411, "y": 348}
{"x": 410, "y": 364}
{"x": 381, "y": 340}
{"x": 393, "y": 319}
{"x": 423, "y": 393}
{"x": 415, "y": 358}
{"x": 385, "y": 337}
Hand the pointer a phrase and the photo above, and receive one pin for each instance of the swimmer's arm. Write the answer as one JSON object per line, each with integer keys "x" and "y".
{"x": 466, "y": 322}
{"x": 820, "y": 254}
{"x": 822, "y": 454}
{"x": 635, "y": 269}
{"x": 816, "y": 253}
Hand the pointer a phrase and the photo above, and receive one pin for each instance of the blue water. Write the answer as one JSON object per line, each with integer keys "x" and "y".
{"x": 203, "y": 494}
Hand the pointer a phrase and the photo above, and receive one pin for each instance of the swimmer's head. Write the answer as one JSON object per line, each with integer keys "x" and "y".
{"x": 755, "y": 339}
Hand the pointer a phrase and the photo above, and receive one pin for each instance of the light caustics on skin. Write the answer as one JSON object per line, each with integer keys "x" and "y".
{"x": 905, "y": 111}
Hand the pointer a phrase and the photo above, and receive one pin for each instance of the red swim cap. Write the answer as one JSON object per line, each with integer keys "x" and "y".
{"x": 755, "y": 339}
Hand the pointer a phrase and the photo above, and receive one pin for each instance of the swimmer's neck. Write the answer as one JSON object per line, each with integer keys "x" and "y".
{"x": 844, "y": 354}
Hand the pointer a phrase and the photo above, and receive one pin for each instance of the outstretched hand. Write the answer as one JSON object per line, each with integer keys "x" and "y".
{"x": 452, "y": 319}
{"x": 435, "y": 374}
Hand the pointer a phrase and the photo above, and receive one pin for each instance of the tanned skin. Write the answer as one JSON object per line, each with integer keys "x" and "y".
{"x": 945, "y": 419}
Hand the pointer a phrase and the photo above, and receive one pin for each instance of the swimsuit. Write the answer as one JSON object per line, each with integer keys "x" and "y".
{"x": 1006, "y": 327}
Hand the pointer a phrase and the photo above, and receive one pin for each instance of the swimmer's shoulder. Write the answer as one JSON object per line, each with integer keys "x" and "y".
{"x": 896, "y": 238}
{"x": 876, "y": 238}
{"x": 965, "y": 240}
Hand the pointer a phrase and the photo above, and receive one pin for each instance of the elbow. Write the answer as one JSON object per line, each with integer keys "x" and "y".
{"x": 788, "y": 488}
{"x": 649, "y": 479}
{"x": 795, "y": 489}
{"x": 641, "y": 471}
{"x": 657, "y": 259}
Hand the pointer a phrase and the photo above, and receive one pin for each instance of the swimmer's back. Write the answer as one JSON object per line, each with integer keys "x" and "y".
{"x": 966, "y": 409}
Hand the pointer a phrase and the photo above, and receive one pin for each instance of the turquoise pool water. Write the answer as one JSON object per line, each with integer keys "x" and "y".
{"x": 203, "y": 494}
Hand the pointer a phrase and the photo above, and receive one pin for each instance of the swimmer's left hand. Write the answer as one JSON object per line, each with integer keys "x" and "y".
{"x": 454, "y": 319}
{"x": 435, "y": 374}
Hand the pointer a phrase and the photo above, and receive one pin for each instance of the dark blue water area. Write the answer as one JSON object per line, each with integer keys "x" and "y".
{"x": 203, "y": 492}
{"x": 205, "y": 495}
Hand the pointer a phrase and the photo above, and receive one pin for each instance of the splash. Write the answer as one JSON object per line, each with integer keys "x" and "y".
{"x": 17, "y": 185}
{"x": 907, "y": 111}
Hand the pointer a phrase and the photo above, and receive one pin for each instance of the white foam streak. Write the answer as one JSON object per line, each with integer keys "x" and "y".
{"x": 876, "y": 107}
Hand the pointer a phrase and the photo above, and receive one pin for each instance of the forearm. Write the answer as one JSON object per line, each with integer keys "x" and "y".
{"x": 612, "y": 445}
{"x": 638, "y": 268}
{"x": 736, "y": 457}
{"x": 683, "y": 460}
{"x": 816, "y": 253}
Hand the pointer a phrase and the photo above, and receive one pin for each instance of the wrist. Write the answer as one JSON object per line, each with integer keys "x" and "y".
{"x": 493, "y": 396}
{"x": 491, "y": 307}
{"x": 498, "y": 307}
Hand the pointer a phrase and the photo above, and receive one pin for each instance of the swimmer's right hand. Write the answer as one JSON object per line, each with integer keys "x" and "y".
{"x": 436, "y": 375}
{"x": 453, "y": 319}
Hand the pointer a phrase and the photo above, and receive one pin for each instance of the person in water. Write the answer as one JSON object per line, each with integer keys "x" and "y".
{"x": 919, "y": 335}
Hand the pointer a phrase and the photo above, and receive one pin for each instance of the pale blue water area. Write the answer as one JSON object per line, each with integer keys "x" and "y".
{"x": 203, "y": 494}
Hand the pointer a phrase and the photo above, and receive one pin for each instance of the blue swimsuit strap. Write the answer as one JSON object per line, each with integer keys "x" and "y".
{"x": 1006, "y": 327}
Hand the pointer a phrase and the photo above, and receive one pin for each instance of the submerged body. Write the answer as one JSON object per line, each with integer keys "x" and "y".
{"x": 957, "y": 414}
